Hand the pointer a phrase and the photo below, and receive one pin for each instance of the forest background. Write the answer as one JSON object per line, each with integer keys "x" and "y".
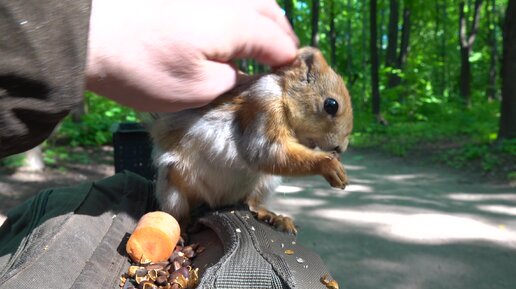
{"x": 434, "y": 80}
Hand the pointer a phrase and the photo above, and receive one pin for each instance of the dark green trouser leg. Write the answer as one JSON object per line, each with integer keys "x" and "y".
{"x": 64, "y": 237}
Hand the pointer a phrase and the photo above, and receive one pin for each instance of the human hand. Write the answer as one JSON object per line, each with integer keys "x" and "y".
{"x": 168, "y": 55}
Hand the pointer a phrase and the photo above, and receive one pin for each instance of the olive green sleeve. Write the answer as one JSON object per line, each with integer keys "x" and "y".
{"x": 43, "y": 45}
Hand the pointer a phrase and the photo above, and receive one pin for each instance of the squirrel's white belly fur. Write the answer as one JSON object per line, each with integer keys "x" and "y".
{"x": 209, "y": 158}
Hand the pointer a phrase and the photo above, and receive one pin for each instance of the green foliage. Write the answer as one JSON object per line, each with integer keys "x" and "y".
{"x": 94, "y": 128}
{"x": 457, "y": 137}
{"x": 56, "y": 154}
{"x": 511, "y": 176}
{"x": 490, "y": 156}
{"x": 12, "y": 162}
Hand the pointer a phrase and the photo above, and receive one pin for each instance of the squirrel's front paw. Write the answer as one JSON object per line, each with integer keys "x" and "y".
{"x": 333, "y": 171}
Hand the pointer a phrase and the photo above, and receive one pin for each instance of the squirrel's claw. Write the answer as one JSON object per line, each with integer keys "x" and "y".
{"x": 280, "y": 222}
{"x": 333, "y": 171}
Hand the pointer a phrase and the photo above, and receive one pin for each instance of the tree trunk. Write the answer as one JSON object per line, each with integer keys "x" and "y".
{"x": 405, "y": 37}
{"x": 289, "y": 11}
{"x": 333, "y": 35}
{"x": 392, "y": 44}
{"x": 465, "y": 76}
{"x": 364, "y": 46}
{"x": 440, "y": 41}
{"x": 394, "y": 78}
{"x": 380, "y": 8}
{"x": 508, "y": 105}
{"x": 437, "y": 72}
{"x": 492, "y": 91}
{"x": 466, "y": 43}
{"x": 374, "y": 60}
{"x": 314, "y": 39}
{"x": 444, "y": 54}
{"x": 349, "y": 63}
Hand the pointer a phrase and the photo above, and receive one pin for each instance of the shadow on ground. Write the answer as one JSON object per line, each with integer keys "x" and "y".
{"x": 20, "y": 185}
{"x": 404, "y": 225}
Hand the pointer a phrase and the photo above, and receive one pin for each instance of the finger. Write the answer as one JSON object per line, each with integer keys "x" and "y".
{"x": 266, "y": 42}
{"x": 216, "y": 78}
{"x": 272, "y": 10}
{"x": 211, "y": 80}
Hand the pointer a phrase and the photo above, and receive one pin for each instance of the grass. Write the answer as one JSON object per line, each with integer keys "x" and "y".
{"x": 464, "y": 139}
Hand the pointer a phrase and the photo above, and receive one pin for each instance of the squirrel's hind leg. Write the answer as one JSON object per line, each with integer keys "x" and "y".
{"x": 280, "y": 222}
{"x": 256, "y": 204}
{"x": 170, "y": 198}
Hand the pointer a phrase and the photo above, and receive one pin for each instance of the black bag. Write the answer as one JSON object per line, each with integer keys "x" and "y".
{"x": 75, "y": 238}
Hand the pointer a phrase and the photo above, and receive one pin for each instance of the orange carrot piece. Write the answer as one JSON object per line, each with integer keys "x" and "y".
{"x": 154, "y": 238}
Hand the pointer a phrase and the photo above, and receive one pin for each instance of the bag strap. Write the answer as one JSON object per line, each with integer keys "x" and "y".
{"x": 253, "y": 252}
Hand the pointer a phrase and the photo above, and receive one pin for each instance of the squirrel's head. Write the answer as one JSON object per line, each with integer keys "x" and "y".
{"x": 317, "y": 103}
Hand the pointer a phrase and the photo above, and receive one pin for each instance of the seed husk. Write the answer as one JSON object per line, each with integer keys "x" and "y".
{"x": 163, "y": 273}
{"x": 156, "y": 266}
{"x": 181, "y": 259}
{"x": 128, "y": 284}
{"x": 141, "y": 276}
{"x": 123, "y": 279}
{"x": 175, "y": 266}
{"x": 185, "y": 272}
{"x": 181, "y": 280}
{"x": 194, "y": 277}
{"x": 330, "y": 284}
{"x": 189, "y": 252}
{"x": 153, "y": 274}
{"x": 194, "y": 246}
{"x": 131, "y": 272}
{"x": 147, "y": 285}
{"x": 161, "y": 281}
{"x": 179, "y": 273}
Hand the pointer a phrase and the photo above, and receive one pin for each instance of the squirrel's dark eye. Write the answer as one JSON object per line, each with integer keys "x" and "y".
{"x": 331, "y": 106}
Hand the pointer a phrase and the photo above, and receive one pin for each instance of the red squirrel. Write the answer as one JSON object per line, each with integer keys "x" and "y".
{"x": 292, "y": 122}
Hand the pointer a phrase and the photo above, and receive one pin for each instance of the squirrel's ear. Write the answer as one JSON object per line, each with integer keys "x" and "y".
{"x": 311, "y": 61}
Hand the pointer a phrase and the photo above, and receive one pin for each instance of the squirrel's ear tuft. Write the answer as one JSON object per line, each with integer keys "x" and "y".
{"x": 308, "y": 65}
{"x": 312, "y": 60}
{"x": 307, "y": 56}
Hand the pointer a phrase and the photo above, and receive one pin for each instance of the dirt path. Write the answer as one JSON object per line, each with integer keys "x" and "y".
{"x": 399, "y": 225}
{"x": 405, "y": 225}
{"x": 23, "y": 184}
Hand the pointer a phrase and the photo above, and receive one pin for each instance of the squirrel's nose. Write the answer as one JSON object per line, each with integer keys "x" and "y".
{"x": 337, "y": 149}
